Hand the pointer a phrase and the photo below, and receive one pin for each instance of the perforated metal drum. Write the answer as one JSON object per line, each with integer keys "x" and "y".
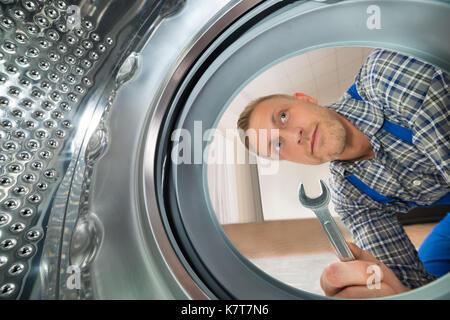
{"x": 59, "y": 70}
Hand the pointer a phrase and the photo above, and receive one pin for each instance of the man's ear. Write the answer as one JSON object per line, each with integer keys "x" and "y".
{"x": 305, "y": 97}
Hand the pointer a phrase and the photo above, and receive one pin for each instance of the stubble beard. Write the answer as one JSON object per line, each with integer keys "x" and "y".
{"x": 335, "y": 144}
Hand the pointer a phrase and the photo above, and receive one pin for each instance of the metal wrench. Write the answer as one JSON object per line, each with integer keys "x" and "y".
{"x": 319, "y": 206}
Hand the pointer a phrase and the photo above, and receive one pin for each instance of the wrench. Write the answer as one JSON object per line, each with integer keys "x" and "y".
{"x": 319, "y": 206}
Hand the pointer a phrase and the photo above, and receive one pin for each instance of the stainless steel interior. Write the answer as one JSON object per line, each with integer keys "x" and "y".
{"x": 61, "y": 65}
{"x": 84, "y": 104}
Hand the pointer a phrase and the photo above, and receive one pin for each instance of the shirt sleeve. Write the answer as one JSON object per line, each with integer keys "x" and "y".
{"x": 374, "y": 227}
{"x": 431, "y": 124}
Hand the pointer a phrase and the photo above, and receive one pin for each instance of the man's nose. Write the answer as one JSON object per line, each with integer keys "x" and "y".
{"x": 293, "y": 135}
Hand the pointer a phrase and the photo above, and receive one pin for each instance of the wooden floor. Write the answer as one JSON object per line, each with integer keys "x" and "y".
{"x": 295, "y": 237}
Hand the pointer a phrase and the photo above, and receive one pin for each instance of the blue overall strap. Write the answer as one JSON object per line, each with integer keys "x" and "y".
{"x": 364, "y": 188}
{"x": 444, "y": 200}
{"x": 401, "y": 133}
{"x": 397, "y": 131}
{"x": 354, "y": 93}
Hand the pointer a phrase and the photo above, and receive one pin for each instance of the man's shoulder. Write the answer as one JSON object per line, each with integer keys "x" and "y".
{"x": 380, "y": 61}
{"x": 382, "y": 56}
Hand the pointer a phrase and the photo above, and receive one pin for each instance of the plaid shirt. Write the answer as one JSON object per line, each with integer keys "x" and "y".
{"x": 415, "y": 95}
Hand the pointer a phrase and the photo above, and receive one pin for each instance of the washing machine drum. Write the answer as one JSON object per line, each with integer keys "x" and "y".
{"x": 91, "y": 204}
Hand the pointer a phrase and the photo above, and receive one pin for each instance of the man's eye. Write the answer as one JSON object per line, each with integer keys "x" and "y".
{"x": 283, "y": 117}
{"x": 278, "y": 146}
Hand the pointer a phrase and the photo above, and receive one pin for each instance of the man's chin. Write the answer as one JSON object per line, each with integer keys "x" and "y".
{"x": 327, "y": 158}
{"x": 313, "y": 162}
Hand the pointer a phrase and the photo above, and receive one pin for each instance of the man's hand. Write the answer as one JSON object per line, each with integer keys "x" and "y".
{"x": 365, "y": 277}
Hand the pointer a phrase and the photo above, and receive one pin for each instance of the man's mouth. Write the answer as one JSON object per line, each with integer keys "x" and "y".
{"x": 314, "y": 137}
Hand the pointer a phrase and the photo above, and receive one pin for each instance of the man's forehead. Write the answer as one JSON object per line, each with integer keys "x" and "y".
{"x": 263, "y": 112}
{"x": 262, "y": 132}
{"x": 272, "y": 102}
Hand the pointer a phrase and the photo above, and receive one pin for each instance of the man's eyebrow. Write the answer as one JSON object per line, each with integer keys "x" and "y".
{"x": 274, "y": 121}
{"x": 269, "y": 151}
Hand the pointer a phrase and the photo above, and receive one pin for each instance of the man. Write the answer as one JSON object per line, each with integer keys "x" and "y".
{"x": 388, "y": 143}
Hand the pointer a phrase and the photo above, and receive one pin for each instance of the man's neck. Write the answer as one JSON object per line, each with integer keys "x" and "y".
{"x": 357, "y": 146}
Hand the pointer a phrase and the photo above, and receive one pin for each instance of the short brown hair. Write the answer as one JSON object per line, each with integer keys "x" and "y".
{"x": 243, "y": 122}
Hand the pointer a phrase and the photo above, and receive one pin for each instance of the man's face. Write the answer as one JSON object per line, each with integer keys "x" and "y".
{"x": 307, "y": 132}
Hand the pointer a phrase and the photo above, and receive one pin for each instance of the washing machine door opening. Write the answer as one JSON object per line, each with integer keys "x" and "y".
{"x": 249, "y": 46}
{"x": 256, "y": 201}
